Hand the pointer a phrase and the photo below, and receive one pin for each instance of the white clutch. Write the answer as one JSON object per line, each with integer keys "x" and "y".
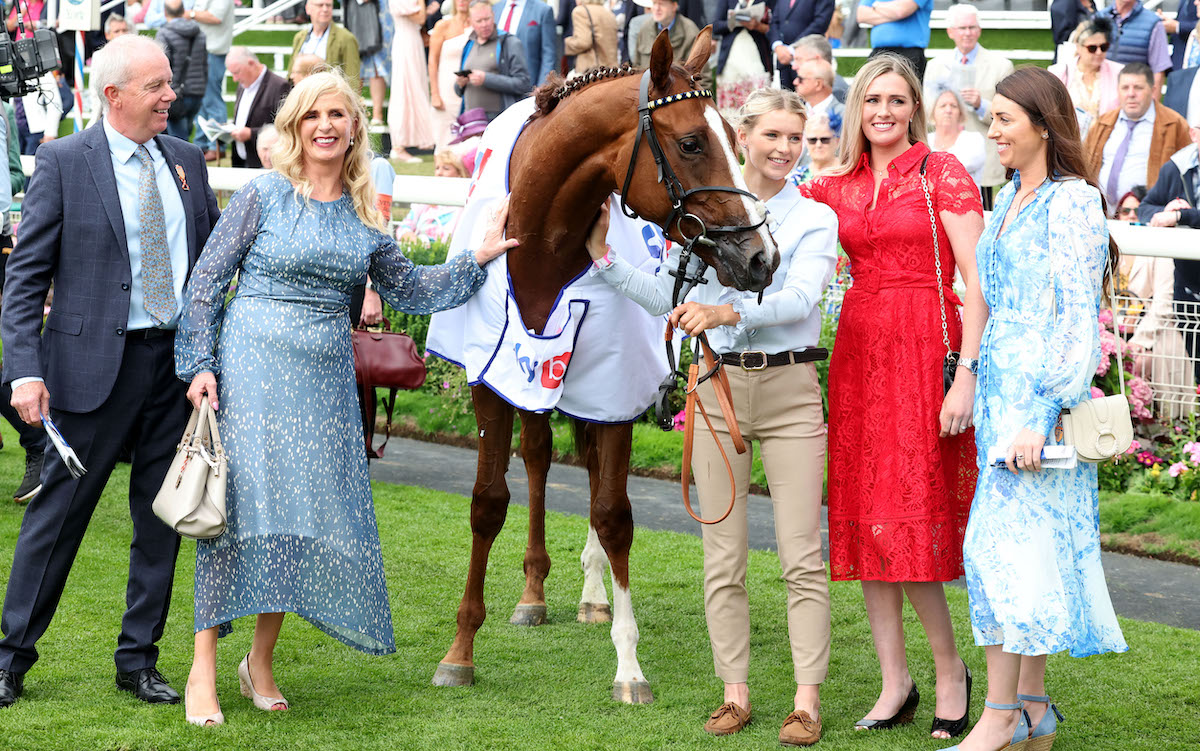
{"x": 192, "y": 497}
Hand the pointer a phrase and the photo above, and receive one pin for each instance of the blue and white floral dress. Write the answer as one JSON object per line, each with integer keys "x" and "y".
{"x": 1032, "y": 547}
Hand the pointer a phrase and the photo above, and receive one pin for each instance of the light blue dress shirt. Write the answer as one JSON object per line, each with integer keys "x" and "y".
{"x": 6, "y": 196}
{"x": 156, "y": 16}
{"x": 128, "y": 169}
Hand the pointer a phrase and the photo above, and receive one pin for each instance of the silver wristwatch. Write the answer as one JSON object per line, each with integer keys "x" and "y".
{"x": 970, "y": 363}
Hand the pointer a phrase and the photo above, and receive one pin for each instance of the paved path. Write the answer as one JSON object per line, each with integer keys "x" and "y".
{"x": 1141, "y": 588}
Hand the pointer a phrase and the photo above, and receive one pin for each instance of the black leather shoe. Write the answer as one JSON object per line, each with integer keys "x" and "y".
{"x": 11, "y": 685}
{"x": 149, "y": 685}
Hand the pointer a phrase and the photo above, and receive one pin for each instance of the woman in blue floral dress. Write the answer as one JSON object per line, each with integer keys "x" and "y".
{"x": 301, "y": 536}
{"x": 1032, "y": 547}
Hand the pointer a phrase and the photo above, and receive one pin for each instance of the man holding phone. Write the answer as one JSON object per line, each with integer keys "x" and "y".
{"x": 493, "y": 72}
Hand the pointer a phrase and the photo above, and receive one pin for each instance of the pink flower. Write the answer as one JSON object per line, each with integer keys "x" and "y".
{"x": 1133, "y": 447}
{"x": 1097, "y": 393}
{"x": 680, "y": 419}
{"x": 1102, "y": 368}
{"x": 1177, "y": 469}
{"x": 1108, "y": 343}
{"x": 1106, "y": 317}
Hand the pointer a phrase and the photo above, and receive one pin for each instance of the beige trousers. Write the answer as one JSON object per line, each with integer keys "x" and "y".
{"x": 780, "y": 408}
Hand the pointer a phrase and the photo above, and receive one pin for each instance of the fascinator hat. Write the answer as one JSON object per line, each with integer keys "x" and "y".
{"x": 470, "y": 123}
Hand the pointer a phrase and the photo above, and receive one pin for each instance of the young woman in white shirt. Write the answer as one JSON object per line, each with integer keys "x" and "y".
{"x": 769, "y": 349}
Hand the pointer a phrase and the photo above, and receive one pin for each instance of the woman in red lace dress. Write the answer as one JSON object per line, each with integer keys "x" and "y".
{"x": 902, "y": 453}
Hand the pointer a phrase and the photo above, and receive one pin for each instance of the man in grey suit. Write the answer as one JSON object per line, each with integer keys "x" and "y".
{"x": 115, "y": 218}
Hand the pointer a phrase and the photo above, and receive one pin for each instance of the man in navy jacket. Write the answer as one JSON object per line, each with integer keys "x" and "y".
{"x": 103, "y": 367}
{"x": 791, "y": 20}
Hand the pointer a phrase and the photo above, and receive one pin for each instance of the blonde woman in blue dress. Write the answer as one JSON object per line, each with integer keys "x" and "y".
{"x": 302, "y": 536}
{"x": 1032, "y": 547}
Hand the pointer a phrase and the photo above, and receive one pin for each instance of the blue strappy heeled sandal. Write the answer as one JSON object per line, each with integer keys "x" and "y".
{"x": 1020, "y": 739}
{"x": 1042, "y": 737}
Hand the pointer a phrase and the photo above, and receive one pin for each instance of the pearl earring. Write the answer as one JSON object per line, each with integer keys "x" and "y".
{"x": 352, "y": 141}
{"x": 1045, "y": 136}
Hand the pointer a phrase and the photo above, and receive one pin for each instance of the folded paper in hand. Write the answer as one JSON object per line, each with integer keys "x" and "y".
{"x": 67, "y": 453}
{"x": 745, "y": 15}
{"x": 1053, "y": 457}
{"x": 216, "y": 131}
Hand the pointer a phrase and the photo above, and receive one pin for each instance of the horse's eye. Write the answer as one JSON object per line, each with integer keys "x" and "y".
{"x": 690, "y": 146}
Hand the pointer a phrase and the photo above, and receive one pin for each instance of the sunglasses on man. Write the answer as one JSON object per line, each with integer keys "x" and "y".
{"x": 823, "y": 140}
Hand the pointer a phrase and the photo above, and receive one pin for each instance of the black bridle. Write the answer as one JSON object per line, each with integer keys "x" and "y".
{"x": 675, "y": 190}
{"x": 677, "y": 194}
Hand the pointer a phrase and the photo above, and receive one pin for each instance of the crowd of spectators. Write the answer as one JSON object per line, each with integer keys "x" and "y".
{"x": 423, "y": 65}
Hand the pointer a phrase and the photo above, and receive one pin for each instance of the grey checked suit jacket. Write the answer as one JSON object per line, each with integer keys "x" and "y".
{"x": 72, "y": 233}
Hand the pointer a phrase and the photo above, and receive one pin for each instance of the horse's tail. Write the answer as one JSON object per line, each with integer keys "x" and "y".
{"x": 585, "y": 440}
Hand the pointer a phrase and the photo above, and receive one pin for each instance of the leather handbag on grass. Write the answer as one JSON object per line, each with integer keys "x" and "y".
{"x": 1102, "y": 428}
{"x": 387, "y": 360}
{"x": 192, "y": 497}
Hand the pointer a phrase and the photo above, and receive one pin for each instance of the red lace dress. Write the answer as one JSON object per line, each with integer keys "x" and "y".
{"x": 898, "y": 494}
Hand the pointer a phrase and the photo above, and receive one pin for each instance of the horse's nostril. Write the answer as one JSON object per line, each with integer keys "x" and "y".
{"x": 759, "y": 265}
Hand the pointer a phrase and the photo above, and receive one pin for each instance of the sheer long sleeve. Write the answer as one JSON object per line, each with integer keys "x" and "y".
{"x": 423, "y": 289}
{"x": 1078, "y": 247}
{"x": 204, "y": 296}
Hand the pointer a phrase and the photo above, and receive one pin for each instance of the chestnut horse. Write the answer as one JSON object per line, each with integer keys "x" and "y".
{"x": 576, "y": 150}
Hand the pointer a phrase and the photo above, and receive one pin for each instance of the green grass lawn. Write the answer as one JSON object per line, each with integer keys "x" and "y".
{"x": 1151, "y": 524}
{"x": 544, "y": 688}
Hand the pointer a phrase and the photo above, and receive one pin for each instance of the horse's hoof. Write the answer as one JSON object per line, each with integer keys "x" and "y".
{"x": 449, "y": 674}
{"x": 632, "y": 692}
{"x": 594, "y": 612}
{"x": 528, "y": 615}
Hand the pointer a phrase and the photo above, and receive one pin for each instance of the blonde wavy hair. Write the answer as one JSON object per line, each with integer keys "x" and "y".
{"x": 287, "y": 155}
{"x": 763, "y": 101}
{"x": 854, "y": 142}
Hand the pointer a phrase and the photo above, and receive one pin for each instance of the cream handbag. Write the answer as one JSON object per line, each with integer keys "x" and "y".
{"x": 192, "y": 497}
{"x": 1100, "y": 429}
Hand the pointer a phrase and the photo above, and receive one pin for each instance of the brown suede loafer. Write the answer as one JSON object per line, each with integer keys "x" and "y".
{"x": 727, "y": 720}
{"x": 800, "y": 729}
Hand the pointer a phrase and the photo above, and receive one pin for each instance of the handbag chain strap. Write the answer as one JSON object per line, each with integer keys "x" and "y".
{"x": 937, "y": 257}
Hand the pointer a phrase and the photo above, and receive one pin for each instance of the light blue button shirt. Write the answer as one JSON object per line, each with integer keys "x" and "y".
{"x": 128, "y": 169}
{"x": 789, "y": 317}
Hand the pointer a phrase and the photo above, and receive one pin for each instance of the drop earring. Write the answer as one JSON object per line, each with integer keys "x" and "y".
{"x": 352, "y": 141}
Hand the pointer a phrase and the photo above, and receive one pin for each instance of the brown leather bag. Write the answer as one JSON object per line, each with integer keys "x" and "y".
{"x": 388, "y": 360}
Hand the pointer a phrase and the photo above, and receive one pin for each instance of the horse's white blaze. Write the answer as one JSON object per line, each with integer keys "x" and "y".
{"x": 625, "y": 636}
{"x": 593, "y": 561}
{"x": 755, "y": 210}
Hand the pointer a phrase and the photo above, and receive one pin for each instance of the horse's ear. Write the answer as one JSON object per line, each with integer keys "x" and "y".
{"x": 661, "y": 59}
{"x": 701, "y": 49}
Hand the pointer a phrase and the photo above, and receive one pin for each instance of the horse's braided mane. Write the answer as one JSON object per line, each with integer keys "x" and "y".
{"x": 556, "y": 88}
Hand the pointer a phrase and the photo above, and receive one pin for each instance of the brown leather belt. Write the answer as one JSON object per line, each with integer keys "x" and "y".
{"x": 758, "y": 360}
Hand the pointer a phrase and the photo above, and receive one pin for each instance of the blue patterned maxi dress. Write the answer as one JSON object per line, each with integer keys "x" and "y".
{"x": 302, "y": 536}
{"x": 1032, "y": 547}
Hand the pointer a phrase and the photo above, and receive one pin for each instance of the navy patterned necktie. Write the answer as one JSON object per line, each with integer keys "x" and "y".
{"x": 158, "y": 283}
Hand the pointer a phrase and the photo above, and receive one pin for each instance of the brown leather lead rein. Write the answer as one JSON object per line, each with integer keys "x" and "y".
{"x": 716, "y": 371}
